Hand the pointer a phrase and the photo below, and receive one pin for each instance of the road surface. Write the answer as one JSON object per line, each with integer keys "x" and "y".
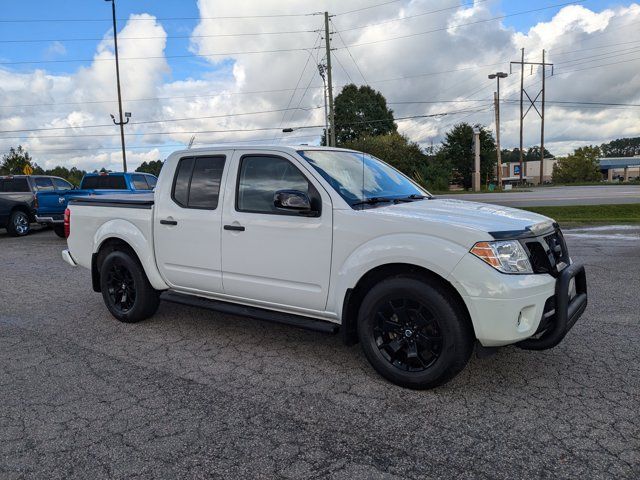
{"x": 194, "y": 394}
{"x": 556, "y": 196}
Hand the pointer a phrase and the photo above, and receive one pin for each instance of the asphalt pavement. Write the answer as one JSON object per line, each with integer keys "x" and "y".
{"x": 194, "y": 394}
{"x": 555, "y": 196}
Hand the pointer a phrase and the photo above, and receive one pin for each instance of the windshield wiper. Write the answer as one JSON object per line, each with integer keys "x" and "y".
{"x": 373, "y": 201}
{"x": 410, "y": 198}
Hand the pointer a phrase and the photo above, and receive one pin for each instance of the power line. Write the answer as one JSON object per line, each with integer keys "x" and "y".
{"x": 368, "y": 8}
{"x": 160, "y": 37}
{"x": 235, "y": 130}
{"x": 161, "y": 57}
{"x": 450, "y": 27}
{"x": 409, "y": 17}
{"x": 154, "y": 19}
{"x": 349, "y": 52}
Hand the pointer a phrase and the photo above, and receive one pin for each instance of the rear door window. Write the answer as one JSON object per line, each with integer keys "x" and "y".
{"x": 197, "y": 182}
{"x": 105, "y": 182}
{"x": 14, "y": 185}
{"x": 61, "y": 184}
{"x": 44, "y": 184}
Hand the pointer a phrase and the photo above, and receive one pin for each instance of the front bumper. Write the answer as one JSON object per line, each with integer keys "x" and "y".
{"x": 566, "y": 311}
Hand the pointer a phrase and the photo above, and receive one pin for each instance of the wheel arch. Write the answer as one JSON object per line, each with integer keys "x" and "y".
{"x": 114, "y": 242}
{"x": 354, "y": 296}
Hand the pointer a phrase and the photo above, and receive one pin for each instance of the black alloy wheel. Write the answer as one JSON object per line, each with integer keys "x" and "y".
{"x": 121, "y": 288}
{"x": 407, "y": 334}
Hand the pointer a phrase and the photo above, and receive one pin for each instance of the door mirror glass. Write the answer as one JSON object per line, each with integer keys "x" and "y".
{"x": 292, "y": 200}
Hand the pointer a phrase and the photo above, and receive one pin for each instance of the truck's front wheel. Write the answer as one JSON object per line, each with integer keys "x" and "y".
{"x": 413, "y": 334}
{"x": 125, "y": 288}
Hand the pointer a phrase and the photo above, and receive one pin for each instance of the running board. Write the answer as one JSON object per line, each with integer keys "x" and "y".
{"x": 251, "y": 312}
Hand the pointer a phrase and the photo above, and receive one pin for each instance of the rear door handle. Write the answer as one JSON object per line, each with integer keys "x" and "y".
{"x": 235, "y": 228}
{"x": 168, "y": 222}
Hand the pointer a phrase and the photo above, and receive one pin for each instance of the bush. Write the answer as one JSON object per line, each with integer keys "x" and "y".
{"x": 581, "y": 166}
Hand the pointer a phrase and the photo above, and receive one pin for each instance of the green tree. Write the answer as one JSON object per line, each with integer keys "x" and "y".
{"x": 533, "y": 154}
{"x": 361, "y": 112}
{"x": 407, "y": 156}
{"x": 622, "y": 147}
{"x": 13, "y": 163}
{"x": 457, "y": 151}
{"x": 153, "y": 167}
{"x": 581, "y": 166}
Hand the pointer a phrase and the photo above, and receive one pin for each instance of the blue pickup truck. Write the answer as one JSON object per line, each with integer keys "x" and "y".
{"x": 27, "y": 199}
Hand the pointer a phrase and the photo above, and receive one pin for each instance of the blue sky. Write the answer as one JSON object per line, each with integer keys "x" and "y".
{"x": 187, "y": 10}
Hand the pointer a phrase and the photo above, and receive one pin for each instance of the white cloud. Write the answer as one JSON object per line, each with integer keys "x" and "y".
{"x": 573, "y": 39}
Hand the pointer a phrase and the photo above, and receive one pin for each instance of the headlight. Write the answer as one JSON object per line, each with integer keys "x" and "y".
{"x": 506, "y": 256}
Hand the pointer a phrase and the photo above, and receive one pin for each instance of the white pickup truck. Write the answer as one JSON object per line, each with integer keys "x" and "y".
{"x": 332, "y": 240}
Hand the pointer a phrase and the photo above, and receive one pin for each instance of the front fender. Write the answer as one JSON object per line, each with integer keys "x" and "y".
{"x": 436, "y": 254}
{"x": 135, "y": 238}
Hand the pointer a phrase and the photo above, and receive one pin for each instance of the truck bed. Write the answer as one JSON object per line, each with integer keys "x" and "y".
{"x": 124, "y": 200}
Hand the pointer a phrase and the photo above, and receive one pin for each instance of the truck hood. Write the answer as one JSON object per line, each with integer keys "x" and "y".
{"x": 470, "y": 216}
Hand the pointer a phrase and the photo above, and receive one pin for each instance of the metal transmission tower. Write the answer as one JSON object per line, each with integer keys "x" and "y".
{"x": 121, "y": 121}
{"x": 331, "y": 137}
{"x": 532, "y": 102}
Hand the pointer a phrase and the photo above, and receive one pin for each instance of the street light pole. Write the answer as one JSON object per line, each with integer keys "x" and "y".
{"x": 121, "y": 123}
{"x": 498, "y": 76}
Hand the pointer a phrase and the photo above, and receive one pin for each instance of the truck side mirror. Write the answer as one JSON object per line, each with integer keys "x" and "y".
{"x": 292, "y": 200}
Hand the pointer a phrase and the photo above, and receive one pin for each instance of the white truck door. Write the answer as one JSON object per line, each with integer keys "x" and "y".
{"x": 268, "y": 254}
{"x": 187, "y": 223}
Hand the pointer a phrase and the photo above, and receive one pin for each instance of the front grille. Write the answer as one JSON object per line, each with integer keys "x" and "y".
{"x": 548, "y": 254}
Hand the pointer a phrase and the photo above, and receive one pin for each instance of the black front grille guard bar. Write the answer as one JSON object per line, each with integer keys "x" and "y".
{"x": 567, "y": 310}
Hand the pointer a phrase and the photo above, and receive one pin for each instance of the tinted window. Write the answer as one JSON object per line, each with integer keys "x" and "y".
{"x": 151, "y": 180}
{"x": 43, "y": 184}
{"x": 139, "y": 182}
{"x": 197, "y": 182}
{"x": 261, "y": 178}
{"x": 61, "y": 184}
{"x": 14, "y": 185}
{"x": 180, "y": 192}
{"x": 105, "y": 182}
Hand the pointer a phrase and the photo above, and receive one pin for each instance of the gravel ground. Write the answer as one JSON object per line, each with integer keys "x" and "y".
{"x": 193, "y": 394}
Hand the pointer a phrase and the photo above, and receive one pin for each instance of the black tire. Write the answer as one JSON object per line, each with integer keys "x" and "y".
{"x": 413, "y": 333}
{"x": 19, "y": 224}
{"x": 59, "y": 231}
{"x": 125, "y": 288}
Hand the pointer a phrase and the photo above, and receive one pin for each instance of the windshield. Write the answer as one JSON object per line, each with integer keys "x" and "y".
{"x": 349, "y": 173}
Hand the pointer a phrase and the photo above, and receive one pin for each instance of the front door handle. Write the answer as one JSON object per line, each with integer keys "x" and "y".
{"x": 168, "y": 222}
{"x": 235, "y": 228}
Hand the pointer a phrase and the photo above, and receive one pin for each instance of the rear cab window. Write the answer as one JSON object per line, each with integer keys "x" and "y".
{"x": 104, "y": 182}
{"x": 139, "y": 182}
{"x": 14, "y": 185}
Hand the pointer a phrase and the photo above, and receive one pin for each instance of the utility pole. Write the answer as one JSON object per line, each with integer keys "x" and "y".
{"x": 476, "y": 170}
{"x": 322, "y": 69}
{"x": 544, "y": 75}
{"x": 121, "y": 122}
{"x": 532, "y": 103}
{"x": 496, "y": 101}
{"x": 521, "y": 115}
{"x": 331, "y": 138}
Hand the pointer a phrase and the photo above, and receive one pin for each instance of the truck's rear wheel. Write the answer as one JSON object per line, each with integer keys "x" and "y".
{"x": 19, "y": 224}
{"x": 59, "y": 230}
{"x": 125, "y": 288}
{"x": 413, "y": 334}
